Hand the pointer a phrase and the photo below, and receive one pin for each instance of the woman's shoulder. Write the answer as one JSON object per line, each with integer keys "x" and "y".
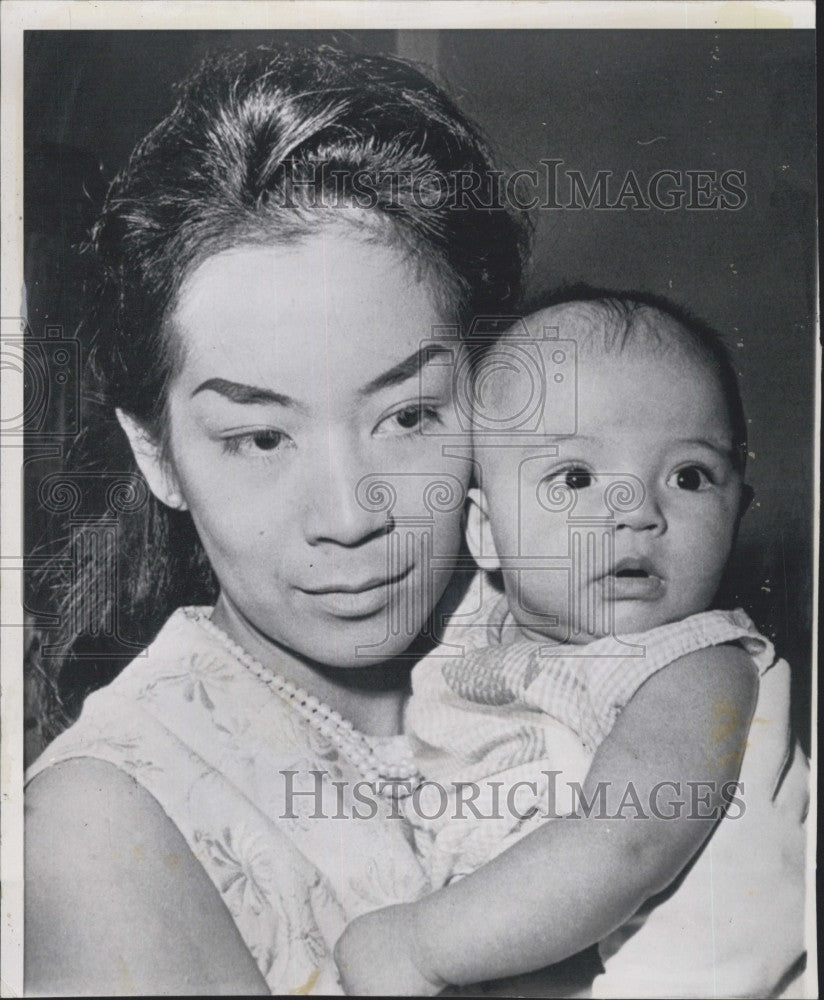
{"x": 177, "y": 687}
{"x": 90, "y": 827}
{"x": 181, "y": 640}
{"x": 65, "y": 803}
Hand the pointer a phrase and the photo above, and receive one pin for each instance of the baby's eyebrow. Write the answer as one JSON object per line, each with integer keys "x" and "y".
{"x": 721, "y": 447}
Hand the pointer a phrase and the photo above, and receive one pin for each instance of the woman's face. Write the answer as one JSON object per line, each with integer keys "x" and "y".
{"x": 312, "y": 374}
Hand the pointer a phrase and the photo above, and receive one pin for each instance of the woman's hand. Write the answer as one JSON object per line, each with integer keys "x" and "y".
{"x": 379, "y": 954}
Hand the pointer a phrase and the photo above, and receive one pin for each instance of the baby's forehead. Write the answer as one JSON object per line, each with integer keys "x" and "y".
{"x": 602, "y": 327}
{"x": 576, "y": 336}
{"x": 533, "y": 362}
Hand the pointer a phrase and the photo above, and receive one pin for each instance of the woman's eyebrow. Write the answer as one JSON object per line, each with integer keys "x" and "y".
{"x": 406, "y": 369}
{"x": 238, "y": 392}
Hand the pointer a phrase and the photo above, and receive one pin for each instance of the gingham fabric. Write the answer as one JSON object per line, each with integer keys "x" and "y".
{"x": 498, "y": 706}
{"x": 732, "y": 924}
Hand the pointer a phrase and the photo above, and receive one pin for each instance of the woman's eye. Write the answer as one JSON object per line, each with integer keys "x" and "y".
{"x": 691, "y": 478}
{"x": 577, "y": 479}
{"x": 255, "y": 442}
{"x": 267, "y": 440}
{"x": 409, "y": 420}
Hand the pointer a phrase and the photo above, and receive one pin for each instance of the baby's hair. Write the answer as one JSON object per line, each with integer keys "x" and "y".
{"x": 623, "y": 321}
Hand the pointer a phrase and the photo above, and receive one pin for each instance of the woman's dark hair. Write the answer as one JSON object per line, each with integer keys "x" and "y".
{"x": 263, "y": 146}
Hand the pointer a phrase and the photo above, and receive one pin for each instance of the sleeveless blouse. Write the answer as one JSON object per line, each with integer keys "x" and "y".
{"x": 249, "y": 784}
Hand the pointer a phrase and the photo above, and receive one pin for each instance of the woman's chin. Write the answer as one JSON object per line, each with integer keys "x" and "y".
{"x": 334, "y": 642}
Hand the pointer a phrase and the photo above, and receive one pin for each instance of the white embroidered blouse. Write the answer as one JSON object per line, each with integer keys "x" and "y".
{"x": 232, "y": 764}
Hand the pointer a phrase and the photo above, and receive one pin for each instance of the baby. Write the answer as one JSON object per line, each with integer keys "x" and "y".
{"x": 607, "y": 698}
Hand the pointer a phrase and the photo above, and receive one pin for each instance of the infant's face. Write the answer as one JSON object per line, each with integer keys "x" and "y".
{"x": 585, "y": 556}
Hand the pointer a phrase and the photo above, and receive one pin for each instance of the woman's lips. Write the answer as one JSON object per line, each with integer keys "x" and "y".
{"x": 358, "y": 600}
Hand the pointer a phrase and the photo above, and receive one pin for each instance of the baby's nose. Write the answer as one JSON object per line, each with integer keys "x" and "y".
{"x": 635, "y": 504}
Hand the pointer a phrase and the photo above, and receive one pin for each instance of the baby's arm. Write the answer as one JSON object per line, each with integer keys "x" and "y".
{"x": 573, "y": 881}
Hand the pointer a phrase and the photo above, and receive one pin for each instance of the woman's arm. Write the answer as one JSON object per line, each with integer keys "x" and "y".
{"x": 116, "y": 903}
{"x": 573, "y": 881}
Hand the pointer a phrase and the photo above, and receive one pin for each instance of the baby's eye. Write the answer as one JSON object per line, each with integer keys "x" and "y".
{"x": 411, "y": 419}
{"x": 578, "y": 479}
{"x": 690, "y": 477}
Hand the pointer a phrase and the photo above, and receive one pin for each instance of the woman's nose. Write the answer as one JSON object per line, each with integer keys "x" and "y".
{"x": 646, "y": 514}
{"x": 334, "y": 512}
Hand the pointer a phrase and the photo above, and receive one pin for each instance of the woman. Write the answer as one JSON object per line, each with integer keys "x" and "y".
{"x": 290, "y": 275}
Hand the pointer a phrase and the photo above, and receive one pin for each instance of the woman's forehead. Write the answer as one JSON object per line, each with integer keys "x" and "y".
{"x": 332, "y": 305}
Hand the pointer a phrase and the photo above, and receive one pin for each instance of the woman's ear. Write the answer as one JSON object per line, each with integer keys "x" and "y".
{"x": 147, "y": 453}
{"x": 479, "y": 532}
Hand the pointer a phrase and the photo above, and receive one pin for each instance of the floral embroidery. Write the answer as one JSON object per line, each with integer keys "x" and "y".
{"x": 199, "y": 676}
{"x": 240, "y": 857}
{"x": 127, "y": 749}
{"x": 208, "y": 741}
{"x": 384, "y": 882}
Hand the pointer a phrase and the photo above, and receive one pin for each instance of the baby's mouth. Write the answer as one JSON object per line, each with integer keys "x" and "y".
{"x": 633, "y": 579}
{"x": 634, "y": 568}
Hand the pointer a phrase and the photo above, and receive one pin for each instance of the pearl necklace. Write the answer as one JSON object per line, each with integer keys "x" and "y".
{"x": 385, "y": 762}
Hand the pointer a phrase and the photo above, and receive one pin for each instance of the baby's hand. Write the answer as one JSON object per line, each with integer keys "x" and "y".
{"x": 378, "y": 955}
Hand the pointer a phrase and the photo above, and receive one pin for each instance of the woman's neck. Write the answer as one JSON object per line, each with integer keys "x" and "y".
{"x": 371, "y": 697}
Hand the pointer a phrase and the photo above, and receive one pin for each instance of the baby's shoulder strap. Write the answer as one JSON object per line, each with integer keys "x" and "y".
{"x": 595, "y": 682}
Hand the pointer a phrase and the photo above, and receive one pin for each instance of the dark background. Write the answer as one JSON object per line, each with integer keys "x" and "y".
{"x": 598, "y": 100}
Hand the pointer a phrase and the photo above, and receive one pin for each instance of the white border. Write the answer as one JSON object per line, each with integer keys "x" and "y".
{"x": 168, "y": 14}
{"x": 17, "y": 16}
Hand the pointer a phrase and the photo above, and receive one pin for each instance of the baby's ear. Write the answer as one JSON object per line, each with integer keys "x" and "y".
{"x": 147, "y": 453}
{"x": 479, "y": 532}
